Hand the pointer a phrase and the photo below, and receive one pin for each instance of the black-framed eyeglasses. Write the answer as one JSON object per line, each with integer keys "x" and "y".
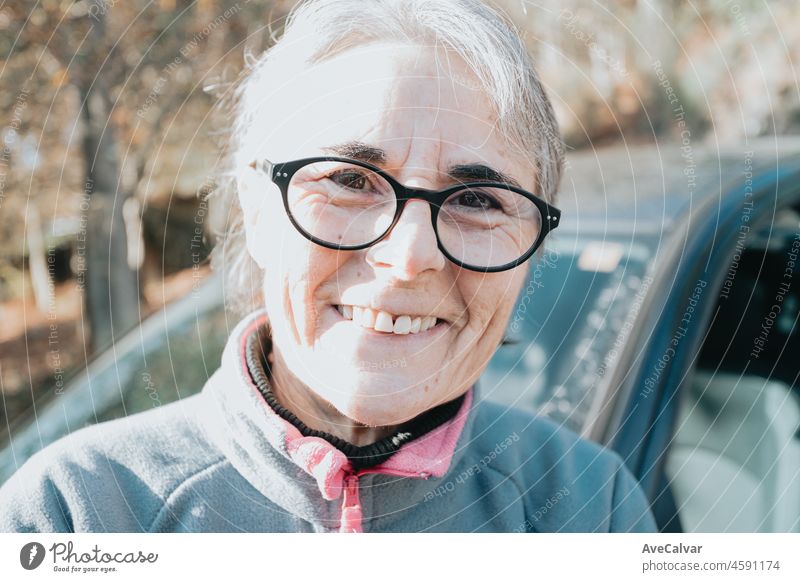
{"x": 346, "y": 204}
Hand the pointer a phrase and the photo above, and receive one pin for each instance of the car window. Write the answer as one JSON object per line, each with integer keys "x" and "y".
{"x": 570, "y": 322}
{"x": 178, "y": 368}
{"x": 734, "y": 463}
{"x": 170, "y": 356}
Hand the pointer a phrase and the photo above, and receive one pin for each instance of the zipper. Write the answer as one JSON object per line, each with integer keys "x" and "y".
{"x": 352, "y": 515}
{"x": 350, "y": 521}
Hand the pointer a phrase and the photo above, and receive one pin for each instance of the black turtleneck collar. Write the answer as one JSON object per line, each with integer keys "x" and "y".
{"x": 259, "y": 345}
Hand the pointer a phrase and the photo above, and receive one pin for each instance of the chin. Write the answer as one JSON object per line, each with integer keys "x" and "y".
{"x": 384, "y": 408}
{"x": 379, "y": 417}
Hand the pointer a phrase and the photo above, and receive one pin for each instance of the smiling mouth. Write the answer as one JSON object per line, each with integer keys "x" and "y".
{"x": 388, "y": 323}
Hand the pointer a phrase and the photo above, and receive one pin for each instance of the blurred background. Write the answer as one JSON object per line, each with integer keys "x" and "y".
{"x": 110, "y": 139}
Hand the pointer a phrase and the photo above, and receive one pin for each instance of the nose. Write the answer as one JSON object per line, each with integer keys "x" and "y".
{"x": 410, "y": 248}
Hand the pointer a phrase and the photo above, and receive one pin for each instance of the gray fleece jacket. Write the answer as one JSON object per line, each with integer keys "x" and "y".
{"x": 223, "y": 460}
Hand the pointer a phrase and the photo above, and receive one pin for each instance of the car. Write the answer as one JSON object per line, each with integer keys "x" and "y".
{"x": 704, "y": 403}
{"x": 635, "y": 328}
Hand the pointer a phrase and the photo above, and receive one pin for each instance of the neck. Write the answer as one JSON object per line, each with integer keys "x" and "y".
{"x": 314, "y": 411}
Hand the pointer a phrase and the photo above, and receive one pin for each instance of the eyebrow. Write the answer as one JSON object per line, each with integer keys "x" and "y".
{"x": 363, "y": 152}
{"x": 479, "y": 173}
{"x": 359, "y": 151}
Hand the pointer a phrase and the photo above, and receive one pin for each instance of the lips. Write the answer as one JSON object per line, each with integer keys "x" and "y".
{"x": 383, "y": 321}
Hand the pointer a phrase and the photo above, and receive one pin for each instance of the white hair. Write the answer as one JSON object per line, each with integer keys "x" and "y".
{"x": 319, "y": 29}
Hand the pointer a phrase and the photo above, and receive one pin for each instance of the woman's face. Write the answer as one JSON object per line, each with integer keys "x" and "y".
{"x": 419, "y": 112}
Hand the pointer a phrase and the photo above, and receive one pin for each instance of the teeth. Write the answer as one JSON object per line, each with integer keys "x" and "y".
{"x": 402, "y": 325}
{"x": 364, "y": 316}
{"x": 382, "y": 321}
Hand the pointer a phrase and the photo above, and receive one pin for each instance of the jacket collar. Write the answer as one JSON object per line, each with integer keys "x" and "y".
{"x": 305, "y": 475}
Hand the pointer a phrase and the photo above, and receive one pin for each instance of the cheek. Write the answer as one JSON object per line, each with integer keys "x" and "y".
{"x": 490, "y": 299}
{"x": 265, "y": 224}
{"x": 294, "y": 275}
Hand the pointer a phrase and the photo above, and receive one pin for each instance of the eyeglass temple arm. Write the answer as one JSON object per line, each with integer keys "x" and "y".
{"x": 262, "y": 166}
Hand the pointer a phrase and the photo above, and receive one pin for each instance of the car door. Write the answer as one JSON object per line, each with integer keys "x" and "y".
{"x": 640, "y": 411}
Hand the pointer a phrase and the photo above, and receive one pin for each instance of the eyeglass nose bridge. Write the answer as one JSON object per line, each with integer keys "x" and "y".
{"x": 403, "y": 195}
{"x": 409, "y": 193}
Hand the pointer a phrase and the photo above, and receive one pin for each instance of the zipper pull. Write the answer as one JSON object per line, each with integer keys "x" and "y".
{"x": 350, "y": 521}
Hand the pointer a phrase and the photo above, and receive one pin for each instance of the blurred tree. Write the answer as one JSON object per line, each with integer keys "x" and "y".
{"x": 133, "y": 67}
{"x": 112, "y": 292}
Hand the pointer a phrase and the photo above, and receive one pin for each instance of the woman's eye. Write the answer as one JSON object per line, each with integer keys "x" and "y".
{"x": 352, "y": 180}
{"x": 477, "y": 199}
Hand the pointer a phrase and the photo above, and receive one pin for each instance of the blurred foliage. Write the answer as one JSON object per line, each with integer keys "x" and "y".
{"x": 731, "y": 63}
{"x": 154, "y": 60}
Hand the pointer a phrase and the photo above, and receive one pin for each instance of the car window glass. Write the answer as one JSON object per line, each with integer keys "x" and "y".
{"x": 733, "y": 463}
{"x": 570, "y": 323}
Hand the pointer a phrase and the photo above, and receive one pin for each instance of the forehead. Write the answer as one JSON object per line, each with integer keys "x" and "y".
{"x": 417, "y": 103}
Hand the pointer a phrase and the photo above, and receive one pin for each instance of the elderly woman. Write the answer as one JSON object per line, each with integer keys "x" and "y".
{"x": 395, "y": 166}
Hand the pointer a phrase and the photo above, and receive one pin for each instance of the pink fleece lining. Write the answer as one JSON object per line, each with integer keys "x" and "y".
{"x": 322, "y": 461}
{"x": 428, "y": 455}
{"x": 431, "y": 453}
